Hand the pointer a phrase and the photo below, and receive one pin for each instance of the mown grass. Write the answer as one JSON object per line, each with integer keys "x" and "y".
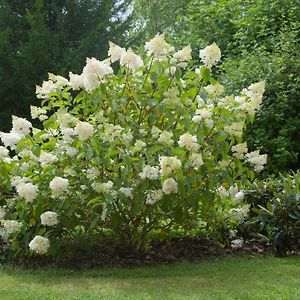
{"x": 240, "y": 277}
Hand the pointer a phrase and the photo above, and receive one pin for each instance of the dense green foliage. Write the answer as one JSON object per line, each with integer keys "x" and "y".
{"x": 38, "y": 36}
{"x": 275, "y": 214}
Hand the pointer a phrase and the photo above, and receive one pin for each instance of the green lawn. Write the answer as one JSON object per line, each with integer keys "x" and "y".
{"x": 226, "y": 278}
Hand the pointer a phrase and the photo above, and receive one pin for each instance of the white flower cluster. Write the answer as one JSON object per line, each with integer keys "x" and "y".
{"x": 92, "y": 173}
{"x": 27, "y": 190}
{"x": 4, "y": 153}
{"x": 172, "y": 99}
{"x": 251, "y": 98}
{"x": 39, "y": 244}
{"x": 9, "y": 227}
{"x": 165, "y": 138}
{"x": 153, "y": 196}
{"x": 233, "y": 192}
{"x": 170, "y": 186}
{"x": 189, "y": 142}
{"x": 239, "y": 214}
{"x": 214, "y": 90}
{"x": 149, "y": 172}
{"x": 38, "y": 113}
{"x": 182, "y": 56}
{"x": 235, "y": 129}
{"x": 257, "y": 160}
{"x": 49, "y": 218}
{"x": 84, "y": 130}
{"x": 131, "y": 60}
{"x": 127, "y": 192}
{"x": 54, "y": 83}
{"x": 46, "y": 159}
{"x": 139, "y": 145}
{"x": 115, "y": 52}
{"x": 158, "y": 47}
{"x": 196, "y": 161}
{"x": 103, "y": 187}
{"x": 169, "y": 165}
{"x": 237, "y": 243}
{"x": 2, "y": 213}
{"x": 111, "y": 132}
{"x": 203, "y": 114}
{"x": 93, "y": 71}
{"x": 58, "y": 185}
{"x": 239, "y": 150}
{"x": 210, "y": 55}
{"x": 20, "y": 128}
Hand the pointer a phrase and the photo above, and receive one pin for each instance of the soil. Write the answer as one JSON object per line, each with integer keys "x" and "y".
{"x": 112, "y": 254}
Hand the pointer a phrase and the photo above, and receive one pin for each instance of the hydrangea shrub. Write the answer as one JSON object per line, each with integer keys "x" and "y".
{"x": 152, "y": 147}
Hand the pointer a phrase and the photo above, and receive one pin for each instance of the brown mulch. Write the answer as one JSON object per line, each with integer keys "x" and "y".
{"x": 111, "y": 254}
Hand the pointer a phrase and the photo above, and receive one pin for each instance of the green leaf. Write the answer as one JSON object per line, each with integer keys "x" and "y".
{"x": 36, "y": 150}
{"x": 205, "y": 74}
{"x": 104, "y": 213}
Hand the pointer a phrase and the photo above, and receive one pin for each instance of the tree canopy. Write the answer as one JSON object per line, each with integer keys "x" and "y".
{"x": 40, "y": 36}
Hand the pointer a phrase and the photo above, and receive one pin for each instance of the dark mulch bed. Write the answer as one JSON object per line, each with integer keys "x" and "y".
{"x": 111, "y": 254}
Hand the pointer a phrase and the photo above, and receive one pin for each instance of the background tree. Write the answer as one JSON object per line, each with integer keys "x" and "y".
{"x": 40, "y": 36}
{"x": 152, "y": 17}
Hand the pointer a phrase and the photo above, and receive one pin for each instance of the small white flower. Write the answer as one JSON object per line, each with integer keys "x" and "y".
{"x": 232, "y": 233}
{"x": 36, "y": 112}
{"x": 11, "y": 226}
{"x": 149, "y": 172}
{"x": 139, "y": 145}
{"x": 239, "y": 150}
{"x": 152, "y": 196}
{"x": 127, "y": 192}
{"x": 39, "y": 244}
{"x": 257, "y": 160}
{"x": 158, "y": 46}
{"x": 169, "y": 165}
{"x": 71, "y": 151}
{"x": 4, "y": 153}
{"x": 84, "y": 130}
{"x": 189, "y": 142}
{"x": 10, "y": 139}
{"x": 93, "y": 72}
{"x": 46, "y": 159}
{"x": 239, "y": 196}
{"x": 196, "y": 161}
{"x": 58, "y": 185}
{"x": 76, "y": 81}
{"x": 170, "y": 186}
{"x": 155, "y": 132}
{"x": 49, "y": 218}
{"x": 131, "y": 60}
{"x": 92, "y": 173}
{"x": 165, "y": 138}
{"x": 182, "y": 56}
{"x": 210, "y": 55}
{"x": 236, "y": 244}
{"x": 235, "y": 129}
{"x": 2, "y": 213}
{"x": 104, "y": 187}
{"x": 115, "y": 52}
{"x": 27, "y": 191}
